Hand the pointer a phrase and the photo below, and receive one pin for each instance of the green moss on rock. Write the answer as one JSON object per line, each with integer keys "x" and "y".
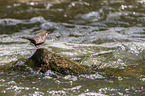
{"x": 44, "y": 60}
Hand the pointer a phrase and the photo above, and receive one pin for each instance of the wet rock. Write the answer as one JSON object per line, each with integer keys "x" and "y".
{"x": 37, "y": 19}
{"x": 129, "y": 71}
{"x": 44, "y": 60}
{"x": 98, "y": 25}
{"x": 92, "y": 16}
{"x": 51, "y": 25}
{"x": 10, "y": 21}
{"x": 116, "y": 23}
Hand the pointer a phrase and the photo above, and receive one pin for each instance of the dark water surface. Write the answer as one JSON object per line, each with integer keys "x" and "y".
{"x": 105, "y": 35}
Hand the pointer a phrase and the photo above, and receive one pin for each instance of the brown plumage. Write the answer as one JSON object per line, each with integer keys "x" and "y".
{"x": 39, "y": 38}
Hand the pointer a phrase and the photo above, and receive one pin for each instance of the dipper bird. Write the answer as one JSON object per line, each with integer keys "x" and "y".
{"x": 38, "y": 39}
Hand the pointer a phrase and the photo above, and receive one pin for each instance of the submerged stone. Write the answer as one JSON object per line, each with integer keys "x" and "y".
{"x": 44, "y": 60}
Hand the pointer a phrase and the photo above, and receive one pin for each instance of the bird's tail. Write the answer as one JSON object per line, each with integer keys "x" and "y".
{"x": 28, "y": 38}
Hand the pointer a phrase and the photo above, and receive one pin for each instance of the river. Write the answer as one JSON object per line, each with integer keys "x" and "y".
{"x": 105, "y": 35}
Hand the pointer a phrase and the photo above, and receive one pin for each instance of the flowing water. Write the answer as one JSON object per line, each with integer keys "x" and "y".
{"x": 105, "y": 35}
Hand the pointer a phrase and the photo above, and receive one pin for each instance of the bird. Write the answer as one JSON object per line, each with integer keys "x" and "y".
{"x": 39, "y": 38}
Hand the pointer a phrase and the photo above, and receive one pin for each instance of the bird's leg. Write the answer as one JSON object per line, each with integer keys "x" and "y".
{"x": 36, "y": 46}
{"x": 39, "y": 46}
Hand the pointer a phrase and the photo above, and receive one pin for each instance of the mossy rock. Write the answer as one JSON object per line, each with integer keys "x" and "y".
{"x": 44, "y": 60}
{"x": 133, "y": 71}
